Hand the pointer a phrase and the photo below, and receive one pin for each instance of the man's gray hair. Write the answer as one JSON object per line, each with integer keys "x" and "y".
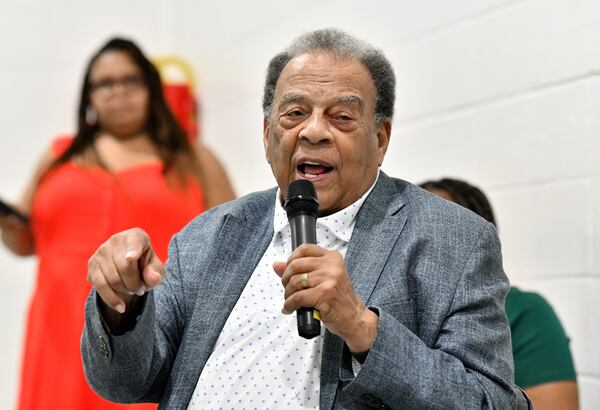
{"x": 340, "y": 44}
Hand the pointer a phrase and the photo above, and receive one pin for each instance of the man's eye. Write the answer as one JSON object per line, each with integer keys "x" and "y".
{"x": 344, "y": 117}
{"x": 294, "y": 113}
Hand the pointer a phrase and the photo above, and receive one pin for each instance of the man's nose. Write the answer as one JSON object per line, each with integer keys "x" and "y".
{"x": 316, "y": 130}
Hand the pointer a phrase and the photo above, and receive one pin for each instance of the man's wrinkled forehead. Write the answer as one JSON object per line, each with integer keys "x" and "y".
{"x": 319, "y": 64}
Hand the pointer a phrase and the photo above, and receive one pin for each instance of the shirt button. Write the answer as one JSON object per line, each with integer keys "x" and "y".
{"x": 104, "y": 346}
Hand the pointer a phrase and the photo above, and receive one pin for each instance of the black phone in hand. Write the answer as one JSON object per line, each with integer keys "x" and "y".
{"x": 8, "y": 210}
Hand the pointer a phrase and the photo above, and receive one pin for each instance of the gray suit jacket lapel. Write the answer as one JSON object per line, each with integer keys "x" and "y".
{"x": 378, "y": 226}
{"x": 242, "y": 241}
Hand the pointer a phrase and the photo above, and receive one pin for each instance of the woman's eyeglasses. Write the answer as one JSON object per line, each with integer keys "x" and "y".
{"x": 105, "y": 87}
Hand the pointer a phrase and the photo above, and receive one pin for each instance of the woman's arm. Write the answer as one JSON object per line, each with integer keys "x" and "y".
{"x": 16, "y": 235}
{"x": 216, "y": 185}
{"x": 561, "y": 395}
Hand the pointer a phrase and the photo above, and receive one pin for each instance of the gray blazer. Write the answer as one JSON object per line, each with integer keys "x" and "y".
{"x": 432, "y": 270}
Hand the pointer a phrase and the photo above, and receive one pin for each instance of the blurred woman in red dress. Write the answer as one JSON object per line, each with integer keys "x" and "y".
{"x": 130, "y": 164}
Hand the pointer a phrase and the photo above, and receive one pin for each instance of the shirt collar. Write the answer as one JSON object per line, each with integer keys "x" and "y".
{"x": 341, "y": 223}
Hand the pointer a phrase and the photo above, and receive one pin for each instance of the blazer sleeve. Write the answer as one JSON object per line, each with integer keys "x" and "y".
{"x": 134, "y": 367}
{"x": 470, "y": 364}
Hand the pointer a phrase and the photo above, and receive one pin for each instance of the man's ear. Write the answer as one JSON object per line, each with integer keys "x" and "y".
{"x": 384, "y": 132}
{"x": 266, "y": 131}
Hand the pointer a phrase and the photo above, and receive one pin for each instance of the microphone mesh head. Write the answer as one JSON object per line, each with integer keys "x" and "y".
{"x": 301, "y": 197}
{"x": 302, "y": 189}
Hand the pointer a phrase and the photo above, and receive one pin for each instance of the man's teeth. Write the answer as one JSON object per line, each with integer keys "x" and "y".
{"x": 307, "y": 166}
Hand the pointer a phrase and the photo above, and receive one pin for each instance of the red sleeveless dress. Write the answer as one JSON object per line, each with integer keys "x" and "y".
{"x": 75, "y": 210}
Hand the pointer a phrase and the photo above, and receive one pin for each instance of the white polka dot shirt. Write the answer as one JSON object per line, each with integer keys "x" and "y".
{"x": 259, "y": 361}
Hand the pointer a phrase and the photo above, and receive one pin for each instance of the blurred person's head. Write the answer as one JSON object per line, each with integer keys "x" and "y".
{"x": 122, "y": 95}
{"x": 117, "y": 92}
{"x": 462, "y": 193}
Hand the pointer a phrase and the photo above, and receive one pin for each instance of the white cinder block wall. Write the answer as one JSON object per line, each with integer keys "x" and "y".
{"x": 500, "y": 92}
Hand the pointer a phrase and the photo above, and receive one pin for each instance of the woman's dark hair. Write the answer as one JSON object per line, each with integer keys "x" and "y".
{"x": 464, "y": 194}
{"x": 165, "y": 133}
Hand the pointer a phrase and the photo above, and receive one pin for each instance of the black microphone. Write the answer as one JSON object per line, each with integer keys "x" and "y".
{"x": 301, "y": 206}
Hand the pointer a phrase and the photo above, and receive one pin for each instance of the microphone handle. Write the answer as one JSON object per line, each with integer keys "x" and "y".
{"x": 304, "y": 230}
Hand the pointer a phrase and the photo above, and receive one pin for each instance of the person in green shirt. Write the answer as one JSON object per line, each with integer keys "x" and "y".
{"x": 543, "y": 362}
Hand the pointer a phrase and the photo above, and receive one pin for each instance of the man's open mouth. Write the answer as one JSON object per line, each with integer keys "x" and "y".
{"x": 311, "y": 170}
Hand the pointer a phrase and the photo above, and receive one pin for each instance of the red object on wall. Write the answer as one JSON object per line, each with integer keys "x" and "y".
{"x": 182, "y": 103}
{"x": 179, "y": 88}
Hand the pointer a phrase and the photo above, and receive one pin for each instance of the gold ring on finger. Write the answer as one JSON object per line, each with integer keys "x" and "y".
{"x": 304, "y": 280}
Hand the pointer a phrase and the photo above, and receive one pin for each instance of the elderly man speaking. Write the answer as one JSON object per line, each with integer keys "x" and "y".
{"x": 410, "y": 288}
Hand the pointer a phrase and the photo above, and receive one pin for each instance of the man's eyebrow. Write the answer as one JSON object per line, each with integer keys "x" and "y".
{"x": 350, "y": 100}
{"x": 291, "y": 98}
{"x": 345, "y": 100}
